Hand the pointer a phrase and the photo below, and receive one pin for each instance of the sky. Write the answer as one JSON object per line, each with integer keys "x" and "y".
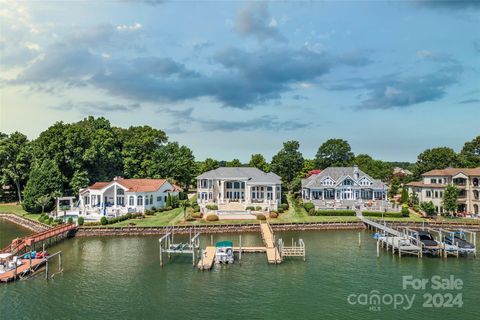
{"x": 229, "y": 79}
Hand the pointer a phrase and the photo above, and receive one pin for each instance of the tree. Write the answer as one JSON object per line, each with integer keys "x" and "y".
{"x": 394, "y": 186}
{"x": 168, "y": 203}
{"x": 184, "y": 204}
{"x": 288, "y": 162}
{"x": 79, "y": 180}
{"x": 470, "y": 154}
{"x": 404, "y": 196}
{"x": 377, "y": 169}
{"x": 175, "y": 162}
{"x": 450, "y": 198}
{"x": 258, "y": 161}
{"x": 139, "y": 146}
{"x": 43, "y": 201}
{"x": 233, "y": 163}
{"x": 436, "y": 158}
{"x": 207, "y": 165}
{"x": 413, "y": 199}
{"x": 45, "y": 179}
{"x": 428, "y": 208}
{"x": 334, "y": 153}
{"x": 15, "y": 160}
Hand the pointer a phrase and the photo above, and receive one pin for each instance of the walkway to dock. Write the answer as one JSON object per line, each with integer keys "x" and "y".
{"x": 19, "y": 244}
{"x": 273, "y": 255}
{"x": 379, "y": 226}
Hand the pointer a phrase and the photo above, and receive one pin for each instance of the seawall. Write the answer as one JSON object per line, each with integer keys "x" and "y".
{"x": 24, "y": 222}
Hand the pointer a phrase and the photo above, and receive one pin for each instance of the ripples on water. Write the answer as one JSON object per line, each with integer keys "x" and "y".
{"x": 120, "y": 278}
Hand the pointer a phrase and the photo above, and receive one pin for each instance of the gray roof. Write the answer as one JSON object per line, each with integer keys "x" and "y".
{"x": 338, "y": 174}
{"x": 253, "y": 175}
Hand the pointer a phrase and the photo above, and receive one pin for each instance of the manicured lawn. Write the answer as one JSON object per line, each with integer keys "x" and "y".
{"x": 18, "y": 210}
{"x": 160, "y": 219}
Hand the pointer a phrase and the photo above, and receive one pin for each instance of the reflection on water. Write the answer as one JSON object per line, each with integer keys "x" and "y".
{"x": 120, "y": 278}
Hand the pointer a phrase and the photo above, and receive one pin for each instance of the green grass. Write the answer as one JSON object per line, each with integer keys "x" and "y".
{"x": 18, "y": 210}
{"x": 160, "y": 219}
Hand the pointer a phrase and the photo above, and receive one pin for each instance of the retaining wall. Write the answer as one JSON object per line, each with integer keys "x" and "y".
{"x": 24, "y": 222}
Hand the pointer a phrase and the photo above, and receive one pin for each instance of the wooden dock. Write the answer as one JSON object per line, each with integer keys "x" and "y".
{"x": 22, "y": 270}
{"x": 273, "y": 255}
{"x": 207, "y": 258}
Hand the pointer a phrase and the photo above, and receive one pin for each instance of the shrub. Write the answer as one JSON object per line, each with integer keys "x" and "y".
{"x": 273, "y": 214}
{"x": 212, "y": 217}
{"x": 405, "y": 211}
{"x": 80, "y": 221}
{"x": 378, "y": 214}
{"x": 154, "y": 209}
{"x": 92, "y": 223}
{"x": 50, "y": 220}
{"x": 258, "y": 208}
{"x": 284, "y": 206}
{"x": 343, "y": 213}
{"x": 280, "y": 210}
{"x": 308, "y": 206}
{"x": 70, "y": 220}
{"x": 261, "y": 217}
{"x": 103, "y": 221}
{"x": 212, "y": 207}
{"x": 428, "y": 207}
{"x": 251, "y": 208}
{"x": 149, "y": 212}
{"x": 197, "y": 215}
{"x": 128, "y": 215}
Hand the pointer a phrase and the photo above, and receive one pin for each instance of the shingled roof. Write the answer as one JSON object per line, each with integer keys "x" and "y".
{"x": 252, "y": 175}
{"x": 135, "y": 185}
{"x": 338, "y": 174}
{"x": 453, "y": 172}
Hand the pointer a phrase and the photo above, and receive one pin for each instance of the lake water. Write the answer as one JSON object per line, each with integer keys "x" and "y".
{"x": 120, "y": 278}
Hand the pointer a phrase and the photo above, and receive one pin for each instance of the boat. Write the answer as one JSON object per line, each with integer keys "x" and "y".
{"x": 224, "y": 252}
{"x": 429, "y": 244}
{"x": 457, "y": 239}
{"x": 14, "y": 267}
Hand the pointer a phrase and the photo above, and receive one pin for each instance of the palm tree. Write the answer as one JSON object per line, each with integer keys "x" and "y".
{"x": 43, "y": 201}
{"x": 184, "y": 204}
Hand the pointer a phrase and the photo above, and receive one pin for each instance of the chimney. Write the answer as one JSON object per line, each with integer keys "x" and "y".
{"x": 355, "y": 172}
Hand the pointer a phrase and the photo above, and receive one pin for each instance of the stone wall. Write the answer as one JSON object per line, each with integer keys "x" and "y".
{"x": 24, "y": 222}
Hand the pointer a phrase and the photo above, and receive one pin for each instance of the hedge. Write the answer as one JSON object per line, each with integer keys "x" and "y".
{"x": 80, "y": 221}
{"x": 212, "y": 217}
{"x": 342, "y": 213}
{"x": 261, "y": 217}
{"x": 212, "y": 207}
{"x": 308, "y": 206}
{"x": 251, "y": 208}
{"x": 273, "y": 214}
{"x": 385, "y": 214}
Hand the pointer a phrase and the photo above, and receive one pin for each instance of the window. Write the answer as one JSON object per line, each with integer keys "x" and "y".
{"x": 165, "y": 198}
{"x": 131, "y": 201}
{"x": 236, "y": 185}
{"x": 433, "y": 180}
{"x": 440, "y": 181}
{"x": 428, "y": 194}
{"x": 140, "y": 201}
{"x": 151, "y": 199}
{"x": 159, "y": 199}
{"x": 436, "y": 194}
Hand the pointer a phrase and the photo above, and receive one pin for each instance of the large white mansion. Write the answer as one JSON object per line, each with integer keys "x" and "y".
{"x": 344, "y": 187}
{"x": 243, "y": 185}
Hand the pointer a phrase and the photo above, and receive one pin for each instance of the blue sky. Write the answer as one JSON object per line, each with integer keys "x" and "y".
{"x": 230, "y": 79}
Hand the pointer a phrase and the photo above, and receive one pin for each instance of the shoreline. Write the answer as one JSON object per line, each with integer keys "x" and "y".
{"x": 85, "y": 231}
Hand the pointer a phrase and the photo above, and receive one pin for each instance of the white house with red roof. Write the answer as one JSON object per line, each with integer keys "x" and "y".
{"x": 121, "y": 196}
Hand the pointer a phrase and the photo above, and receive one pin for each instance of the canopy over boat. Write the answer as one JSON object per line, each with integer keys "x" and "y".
{"x": 224, "y": 244}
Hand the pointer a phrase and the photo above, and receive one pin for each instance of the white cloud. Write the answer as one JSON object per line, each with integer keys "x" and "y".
{"x": 124, "y": 27}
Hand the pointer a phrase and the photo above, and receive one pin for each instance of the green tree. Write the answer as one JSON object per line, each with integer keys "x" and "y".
{"x": 334, "y": 153}
{"x": 394, "y": 187}
{"x": 43, "y": 201}
{"x": 404, "y": 195}
{"x": 375, "y": 168}
{"x": 470, "y": 153}
{"x": 184, "y": 204}
{"x": 79, "y": 181}
{"x": 258, "y": 161}
{"x": 45, "y": 179}
{"x": 168, "y": 203}
{"x": 15, "y": 160}
{"x": 175, "y": 162}
{"x": 207, "y": 165}
{"x": 436, "y": 158}
{"x": 428, "y": 208}
{"x": 233, "y": 163}
{"x": 139, "y": 146}
{"x": 413, "y": 199}
{"x": 450, "y": 199}
{"x": 288, "y": 162}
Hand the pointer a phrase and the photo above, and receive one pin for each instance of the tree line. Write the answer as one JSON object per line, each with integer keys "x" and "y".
{"x": 70, "y": 156}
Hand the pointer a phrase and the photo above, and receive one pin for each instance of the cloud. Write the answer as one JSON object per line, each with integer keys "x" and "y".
{"x": 448, "y": 4}
{"x": 395, "y": 91}
{"x": 124, "y": 27}
{"x": 95, "y": 108}
{"x": 269, "y": 123}
{"x": 254, "y": 20}
{"x": 468, "y": 101}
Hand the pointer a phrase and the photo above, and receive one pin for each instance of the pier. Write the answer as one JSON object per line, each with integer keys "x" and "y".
{"x": 168, "y": 245}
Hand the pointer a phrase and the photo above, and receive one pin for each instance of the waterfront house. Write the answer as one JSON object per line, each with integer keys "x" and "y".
{"x": 236, "y": 188}
{"x": 121, "y": 196}
{"x": 433, "y": 184}
{"x": 345, "y": 188}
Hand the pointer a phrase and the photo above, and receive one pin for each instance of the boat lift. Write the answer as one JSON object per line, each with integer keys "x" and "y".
{"x": 168, "y": 245}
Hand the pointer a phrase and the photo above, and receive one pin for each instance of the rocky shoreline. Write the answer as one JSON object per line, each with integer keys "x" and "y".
{"x": 24, "y": 222}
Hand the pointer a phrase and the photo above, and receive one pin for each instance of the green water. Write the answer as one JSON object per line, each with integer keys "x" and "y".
{"x": 120, "y": 278}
